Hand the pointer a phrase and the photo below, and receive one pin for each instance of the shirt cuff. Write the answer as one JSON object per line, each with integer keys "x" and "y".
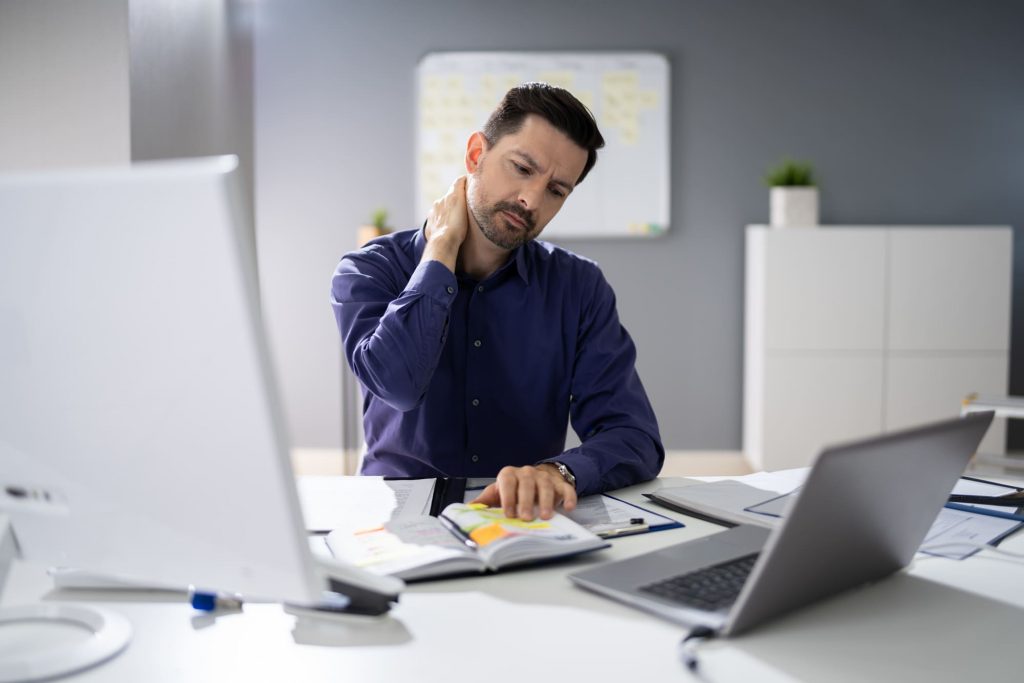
{"x": 433, "y": 279}
{"x": 583, "y": 468}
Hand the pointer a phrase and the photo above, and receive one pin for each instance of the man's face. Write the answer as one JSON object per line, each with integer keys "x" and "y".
{"x": 521, "y": 182}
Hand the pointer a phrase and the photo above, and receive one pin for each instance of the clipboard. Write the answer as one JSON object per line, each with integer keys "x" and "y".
{"x": 777, "y": 506}
{"x": 629, "y": 518}
{"x": 1016, "y": 514}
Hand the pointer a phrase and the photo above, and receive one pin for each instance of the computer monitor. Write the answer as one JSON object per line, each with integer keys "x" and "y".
{"x": 141, "y": 434}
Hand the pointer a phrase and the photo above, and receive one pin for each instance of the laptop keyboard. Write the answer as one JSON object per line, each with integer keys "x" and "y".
{"x": 709, "y": 589}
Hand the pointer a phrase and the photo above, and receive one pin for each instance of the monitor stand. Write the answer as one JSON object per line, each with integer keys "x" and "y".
{"x": 48, "y": 640}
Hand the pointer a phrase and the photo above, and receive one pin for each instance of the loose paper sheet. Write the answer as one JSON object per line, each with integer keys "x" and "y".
{"x": 333, "y": 502}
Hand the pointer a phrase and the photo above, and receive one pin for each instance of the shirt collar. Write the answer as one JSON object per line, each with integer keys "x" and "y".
{"x": 523, "y": 262}
{"x": 520, "y": 255}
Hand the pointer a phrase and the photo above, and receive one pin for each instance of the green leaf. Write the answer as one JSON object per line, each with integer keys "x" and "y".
{"x": 380, "y": 218}
{"x": 790, "y": 174}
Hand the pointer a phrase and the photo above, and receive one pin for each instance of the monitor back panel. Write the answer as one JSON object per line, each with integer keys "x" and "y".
{"x": 137, "y": 401}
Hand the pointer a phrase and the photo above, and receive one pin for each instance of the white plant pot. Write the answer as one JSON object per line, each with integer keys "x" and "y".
{"x": 794, "y": 207}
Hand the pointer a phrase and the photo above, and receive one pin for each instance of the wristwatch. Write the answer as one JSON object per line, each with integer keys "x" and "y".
{"x": 566, "y": 473}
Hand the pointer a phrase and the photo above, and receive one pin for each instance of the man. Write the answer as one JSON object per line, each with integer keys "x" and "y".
{"x": 475, "y": 344}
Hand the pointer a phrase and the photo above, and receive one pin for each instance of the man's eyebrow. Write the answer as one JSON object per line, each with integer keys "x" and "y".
{"x": 533, "y": 164}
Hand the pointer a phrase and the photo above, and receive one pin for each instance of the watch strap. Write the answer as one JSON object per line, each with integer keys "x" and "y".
{"x": 566, "y": 473}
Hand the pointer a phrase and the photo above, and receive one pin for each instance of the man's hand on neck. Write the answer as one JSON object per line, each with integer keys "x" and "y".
{"x": 455, "y": 239}
{"x": 447, "y": 226}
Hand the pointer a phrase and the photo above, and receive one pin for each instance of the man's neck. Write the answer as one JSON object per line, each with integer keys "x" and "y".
{"x": 478, "y": 257}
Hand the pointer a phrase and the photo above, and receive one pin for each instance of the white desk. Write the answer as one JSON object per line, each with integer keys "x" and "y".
{"x": 945, "y": 620}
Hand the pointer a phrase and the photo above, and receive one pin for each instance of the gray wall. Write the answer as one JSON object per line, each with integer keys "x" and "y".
{"x": 912, "y": 112}
{"x": 63, "y": 83}
{"x": 94, "y": 82}
{"x": 192, "y": 80}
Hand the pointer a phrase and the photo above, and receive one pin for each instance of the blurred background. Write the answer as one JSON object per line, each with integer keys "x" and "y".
{"x": 911, "y": 111}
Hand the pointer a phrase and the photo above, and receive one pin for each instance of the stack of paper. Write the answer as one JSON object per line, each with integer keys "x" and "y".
{"x": 763, "y": 498}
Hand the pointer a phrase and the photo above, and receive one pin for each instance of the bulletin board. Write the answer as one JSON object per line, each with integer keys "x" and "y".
{"x": 627, "y": 192}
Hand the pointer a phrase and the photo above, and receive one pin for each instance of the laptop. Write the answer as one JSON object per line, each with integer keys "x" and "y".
{"x": 863, "y": 511}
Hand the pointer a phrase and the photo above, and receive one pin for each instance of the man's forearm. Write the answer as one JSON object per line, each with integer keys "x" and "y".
{"x": 393, "y": 346}
{"x": 443, "y": 249}
{"x": 613, "y": 459}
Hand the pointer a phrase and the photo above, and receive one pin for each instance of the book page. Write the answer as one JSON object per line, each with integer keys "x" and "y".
{"x": 502, "y": 540}
{"x": 403, "y": 547}
{"x": 956, "y": 534}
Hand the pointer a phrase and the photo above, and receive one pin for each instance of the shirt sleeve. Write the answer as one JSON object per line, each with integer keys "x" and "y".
{"x": 610, "y": 411}
{"x": 392, "y": 328}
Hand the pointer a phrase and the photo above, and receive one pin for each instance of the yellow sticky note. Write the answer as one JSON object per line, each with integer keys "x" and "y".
{"x": 648, "y": 99}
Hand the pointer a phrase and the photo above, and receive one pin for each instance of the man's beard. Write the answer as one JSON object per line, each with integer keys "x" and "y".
{"x": 501, "y": 233}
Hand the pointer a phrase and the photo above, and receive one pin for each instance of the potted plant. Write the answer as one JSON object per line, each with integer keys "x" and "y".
{"x": 794, "y": 197}
{"x": 378, "y": 226}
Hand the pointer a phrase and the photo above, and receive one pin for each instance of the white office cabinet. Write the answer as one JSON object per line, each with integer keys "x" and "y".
{"x": 852, "y": 331}
{"x": 920, "y": 387}
{"x": 813, "y": 275}
{"x": 811, "y": 395}
{"x": 950, "y": 289}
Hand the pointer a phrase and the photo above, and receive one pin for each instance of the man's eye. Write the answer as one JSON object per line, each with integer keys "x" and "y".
{"x": 555, "y": 191}
{"x": 521, "y": 169}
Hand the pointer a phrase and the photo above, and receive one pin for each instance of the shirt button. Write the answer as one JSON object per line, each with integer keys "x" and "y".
{"x": 476, "y": 401}
{"x": 477, "y": 343}
{"x": 475, "y": 458}
{"x": 451, "y": 290}
{"x": 480, "y": 288}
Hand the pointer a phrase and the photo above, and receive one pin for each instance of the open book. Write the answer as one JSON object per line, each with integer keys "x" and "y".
{"x": 464, "y": 539}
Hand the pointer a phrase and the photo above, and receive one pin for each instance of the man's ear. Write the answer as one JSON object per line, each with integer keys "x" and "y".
{"x": 475, "y": 148}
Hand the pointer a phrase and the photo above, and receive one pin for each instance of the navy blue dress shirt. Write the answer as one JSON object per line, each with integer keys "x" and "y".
{"x": 461, "y": 378}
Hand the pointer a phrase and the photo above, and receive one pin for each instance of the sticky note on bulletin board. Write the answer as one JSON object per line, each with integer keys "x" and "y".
{"x": 627, "y": 192}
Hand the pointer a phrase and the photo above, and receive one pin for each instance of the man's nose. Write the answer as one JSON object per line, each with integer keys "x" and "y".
{"x": 529, "y": 196}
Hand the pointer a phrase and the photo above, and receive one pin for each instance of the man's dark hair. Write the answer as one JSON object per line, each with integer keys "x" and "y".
{"x": 557, "y": 106}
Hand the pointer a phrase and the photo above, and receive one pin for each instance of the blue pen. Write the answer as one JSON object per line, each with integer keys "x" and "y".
{"x": 205, "y": 601}
{"x": 985, "y": 511}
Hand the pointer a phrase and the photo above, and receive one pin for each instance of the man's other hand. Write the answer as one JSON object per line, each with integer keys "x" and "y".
{"x": 519, "y": 489}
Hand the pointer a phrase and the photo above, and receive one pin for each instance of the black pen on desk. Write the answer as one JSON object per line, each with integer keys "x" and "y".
{"x": 991, "y": 483}
{"x": 1009, "y": 500}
